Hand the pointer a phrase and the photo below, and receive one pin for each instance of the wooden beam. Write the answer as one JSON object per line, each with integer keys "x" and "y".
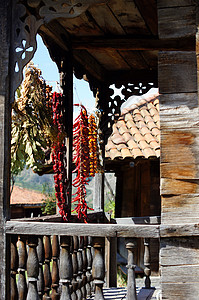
{"x": 148, "y": 10}
{"x": 80, "y": 229}
{"x": 130, "y": 43}
{"x": 132, "y": 76}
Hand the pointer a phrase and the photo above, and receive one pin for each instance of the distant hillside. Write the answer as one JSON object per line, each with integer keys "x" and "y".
{"x": 30, "y": 180}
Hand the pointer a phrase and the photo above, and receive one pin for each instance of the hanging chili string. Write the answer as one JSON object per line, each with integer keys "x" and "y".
{"x": 93, "y": 146}
{"x": 58, "y": 156}
{"x": 81, "y": 159}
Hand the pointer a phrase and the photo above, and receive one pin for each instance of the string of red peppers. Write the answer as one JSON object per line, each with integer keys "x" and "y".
{"x": 85, "y": 158}
{"x": 58, "y": 156}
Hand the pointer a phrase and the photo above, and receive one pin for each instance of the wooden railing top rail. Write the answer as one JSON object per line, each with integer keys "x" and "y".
{"x": 103, "y": 230}
{"x": 80, "y": 229}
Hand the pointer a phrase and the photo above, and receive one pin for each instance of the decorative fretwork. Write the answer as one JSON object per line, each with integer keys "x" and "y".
{"x": 111, "y": 98}
{"x": 25, "y": 27}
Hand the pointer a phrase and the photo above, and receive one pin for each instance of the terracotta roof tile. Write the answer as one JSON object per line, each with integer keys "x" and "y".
{"x": 157, "y": 152}
{"x": 137, "y": 132}
{"x": 127, "y": 136}
{"x": 148, "y": 152}
{"x": 134, "y": 131}
{"x": 117, "y": 139}
{"x": 138, "y": 137}
{"x": 130, "y": 123}
{"x": 144, "y": 130}
{"x": 126, "y": 153}
{"x": 132, "y": 144}
{"x": 151, "y": 125}
{"x": 137, "y": 153}
{"x": 149, "y": 137}
{"x": 143, "y": 145}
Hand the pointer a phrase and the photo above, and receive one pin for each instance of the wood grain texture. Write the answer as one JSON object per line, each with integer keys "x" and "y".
{"x": 103, "y": 230}
{"x": 180, "y": 209}
{"x": 177, "y": 22}
{"x": 175, "y": 3}
{"x": 5, "y": 27}
{"x": 179, "y": 230}
{"x": 177, "y": 72}
{"x": 184, "y": 252}
{"x": 179, "y": 268}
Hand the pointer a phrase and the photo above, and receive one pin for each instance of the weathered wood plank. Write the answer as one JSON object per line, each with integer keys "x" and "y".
{"x": 177, "y": 72}
{"x": 179, "y": 252}
{"x": 171, "y": 186}
{"x": 175, "y": 3}
{"x": 127, "y": 14}
{"x": 179, "y": 263}
{"x": 177, "y": 22}
{"x": 182, "y": 291}
{"x": 106, "y": 20}
{"x": 90, "y": 64}
{"x": 110, "y": 59}
{"x": 179, "y": 230}
{"x": 111, "y": 230}
{"x": 5, "y": 34}
{"x": 126, "y": 43}
{"x": 148, "y": 10}
{"x": 180, "y": 209}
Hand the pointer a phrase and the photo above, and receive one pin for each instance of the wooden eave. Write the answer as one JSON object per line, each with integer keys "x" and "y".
{"x": 114, "y": 41}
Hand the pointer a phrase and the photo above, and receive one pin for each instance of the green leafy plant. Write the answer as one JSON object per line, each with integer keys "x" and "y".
{"x": 49, "y": 202}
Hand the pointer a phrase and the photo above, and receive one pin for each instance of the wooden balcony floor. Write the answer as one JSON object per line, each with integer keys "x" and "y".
{"x": 120, "y": 294}
{"x": 142, "y": 293}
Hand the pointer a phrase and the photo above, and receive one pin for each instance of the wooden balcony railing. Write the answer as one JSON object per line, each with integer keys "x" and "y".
{"x": 66, "y": 260}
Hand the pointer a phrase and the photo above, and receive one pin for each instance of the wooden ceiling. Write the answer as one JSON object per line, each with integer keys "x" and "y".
{"x": 113, "y": 41}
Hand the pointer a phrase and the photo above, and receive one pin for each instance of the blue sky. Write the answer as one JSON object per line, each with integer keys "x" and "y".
{"x": 50, "y": 73}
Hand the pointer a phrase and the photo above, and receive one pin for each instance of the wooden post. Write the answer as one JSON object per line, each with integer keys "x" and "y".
{"x": 147, "y": 258}
{"x": 80, "y": 271}
{"x": 55, "y": 270}
{"x": 98, "y": 270}
{"x": 111, "y": 261}
{"x": 98, "y": 201}
{"x": 65, "y": 269}
{"x": 131, "y": 285}
{"x": 22, "y": 286}
{"x": 40, "y": 254}
{"x": 32, "y": 269}
{"x": 13, "y": 268}
{"x": 5, "y": 129}
{"x": 66, "y": 79}
{"x": 47, "y": 274}
{"x": 75, "y": 268}
{"x": 89, "y": 267}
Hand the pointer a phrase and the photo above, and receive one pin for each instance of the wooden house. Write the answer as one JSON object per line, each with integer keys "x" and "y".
{"x": 132, "y": 152}
{"x": 121, "y": 42}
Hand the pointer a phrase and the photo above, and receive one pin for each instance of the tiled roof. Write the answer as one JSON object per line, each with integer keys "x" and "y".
{"x": 24, "y": 196}
{"x": 137, "y": 131}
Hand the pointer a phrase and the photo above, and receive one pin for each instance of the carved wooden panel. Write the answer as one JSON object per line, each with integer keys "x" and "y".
{"x": 25, "y": 26}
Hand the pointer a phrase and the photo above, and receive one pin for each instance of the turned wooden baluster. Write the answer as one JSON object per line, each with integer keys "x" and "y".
{"x": 40, "y": 255}
{"x": 89, "y": 266}
{"x": 65, "y": 269}
{"x": 22, "y": 285}
{"x": 131, "y": 285}
{"x": 147, "y": 258}
{"x": 47, "y": 274}
{"x": 32, "y": 268}
{"x": 80, "y": 272}
{"x": 84, "y": 266}
{"x": 75, "y": 268}
{"x": 55, "y": 269}
{"x": 98, "y": 269}
{"x": 13, "y": 267}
